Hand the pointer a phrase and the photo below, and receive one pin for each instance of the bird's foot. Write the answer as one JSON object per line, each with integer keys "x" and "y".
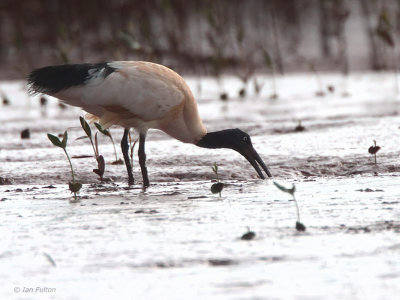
{"x": 146, "y": 184}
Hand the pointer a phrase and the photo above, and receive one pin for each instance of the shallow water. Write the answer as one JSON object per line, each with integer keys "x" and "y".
{"x": 176, "y": 240}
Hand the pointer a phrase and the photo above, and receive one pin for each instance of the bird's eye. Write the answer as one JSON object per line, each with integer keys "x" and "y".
{"x": 245, "y": 139}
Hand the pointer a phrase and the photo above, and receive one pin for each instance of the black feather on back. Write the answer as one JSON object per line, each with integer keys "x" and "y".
{"x": 52, "y": 79}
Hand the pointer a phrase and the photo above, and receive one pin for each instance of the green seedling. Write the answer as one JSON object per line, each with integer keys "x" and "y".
{"x": 74, "y": 186}
{"x": 99, "y": 158}
{"x": 249, "y": 235}
{"x": 107, "y": 132}
{"x": 216, "y": 187}
{"x": 299, "y": 226}
{"x": 88, "y": 131}
{"x": 373, "y": 150}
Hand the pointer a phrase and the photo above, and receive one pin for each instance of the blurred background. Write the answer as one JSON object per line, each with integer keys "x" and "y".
{"x": 201, "y": 36}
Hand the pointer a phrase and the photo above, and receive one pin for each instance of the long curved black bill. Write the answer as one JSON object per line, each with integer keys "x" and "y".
{"x": 252, "y": 156}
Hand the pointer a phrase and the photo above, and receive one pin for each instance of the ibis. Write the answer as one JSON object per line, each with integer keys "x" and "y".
{"x": 140, "y": 95}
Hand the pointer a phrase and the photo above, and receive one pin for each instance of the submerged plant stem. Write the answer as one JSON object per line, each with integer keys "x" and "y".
{"x": 72, "y": 171}
{"x": 94, "y": 149}
{"x": 297, "y": 208}
{"x": 70, "y": 164}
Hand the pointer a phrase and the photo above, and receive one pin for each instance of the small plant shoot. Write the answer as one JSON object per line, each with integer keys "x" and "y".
{"x": 373, "y": 150}
{"x": 101, "y": 166}
{"x": 74, "y": 186}
{"x": 107, "y": 132}
{"x": 88, "y": 131}
{"x": 216, "y": 187}
{"x": 99, "y": 158}
{"x": 299, "y": 226}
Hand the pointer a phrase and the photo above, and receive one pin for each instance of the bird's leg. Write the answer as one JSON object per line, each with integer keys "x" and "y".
{"x": 125, "y": 150}
{"x": 142, "y": 160}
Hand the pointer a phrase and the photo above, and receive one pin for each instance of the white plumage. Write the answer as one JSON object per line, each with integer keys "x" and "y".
{"x": 142, "y": 95}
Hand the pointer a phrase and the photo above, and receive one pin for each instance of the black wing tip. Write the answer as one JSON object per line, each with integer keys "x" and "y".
{"x": 33, "y": 83}
{"x": 53, "y": 79}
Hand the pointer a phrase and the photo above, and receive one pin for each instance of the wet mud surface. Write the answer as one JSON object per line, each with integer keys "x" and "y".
{"x": 179, "y": 237}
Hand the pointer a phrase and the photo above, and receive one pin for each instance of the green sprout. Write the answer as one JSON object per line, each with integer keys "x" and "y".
{"x": 74, "y": 186}
{"x": 88, "y": 131}
{"x": 107, "y": 132}
{"x": 216, "y": 187}
{"x": 99, "y": 158}
{"x": 291, "y": 191}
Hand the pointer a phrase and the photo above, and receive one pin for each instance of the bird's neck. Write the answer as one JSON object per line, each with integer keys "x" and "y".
{"x": 214, "y": 140}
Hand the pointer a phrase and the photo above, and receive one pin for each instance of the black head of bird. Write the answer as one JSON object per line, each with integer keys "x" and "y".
{"x": 239, "y": 141}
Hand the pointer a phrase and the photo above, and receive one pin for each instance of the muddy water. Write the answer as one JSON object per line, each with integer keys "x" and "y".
{"x": 177, "y": 240}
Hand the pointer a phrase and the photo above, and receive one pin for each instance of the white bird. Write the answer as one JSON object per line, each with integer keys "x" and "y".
{"x": 141, "y": 95}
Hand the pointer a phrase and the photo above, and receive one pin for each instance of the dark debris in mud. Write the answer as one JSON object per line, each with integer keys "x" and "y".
{"x": 146, "y": 211}
{"x": 100, "y": 187}
{"x": 214, "y": 262}
{"x": 49, "y": 187}
{"x": 300, "y": 226}
{"x": 249, "y": 235}
{"x": 222, "y": 262}
{"x": 25, "y": 134}
{"x": 377, "y": 227}
{"x": 5, "y": 181}
{"x": 368, "y": 190}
